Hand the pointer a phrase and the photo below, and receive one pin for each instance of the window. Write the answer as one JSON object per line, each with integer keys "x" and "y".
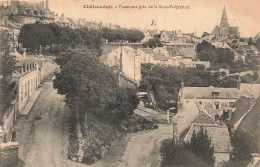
{"x": 23, "y": 68}
{"x": 21, "y": 93}
{"x": 215, "y": 94}
{"x": 25, "y": 90}
{"x": 216, "y": 103}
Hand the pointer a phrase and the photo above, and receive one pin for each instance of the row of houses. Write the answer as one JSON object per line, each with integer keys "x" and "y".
{"x": 130, "y": 60}
{"x": 220, "y": 111}
{"x": 29, "y": 73}
{"x": 25, "y": 12}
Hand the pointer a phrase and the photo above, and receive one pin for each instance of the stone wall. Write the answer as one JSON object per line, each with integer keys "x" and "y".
{"x": 9, "y": 154}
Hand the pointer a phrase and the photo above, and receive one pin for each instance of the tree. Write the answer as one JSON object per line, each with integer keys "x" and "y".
{"x": 7, "y": 60}
{"x": 178, "y": 155}
{"x": 153, "y": 43}
{"x": 224, "y": 55}
{"x": 126, "y": 102}
{"x": 250, "y": 42}
{"x": 200, "y": 144}
{"x": 206, "y": 52}
{"x": 7, "y": 63}
{"x": 86, "y": 83}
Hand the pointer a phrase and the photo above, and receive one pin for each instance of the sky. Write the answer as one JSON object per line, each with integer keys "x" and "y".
{"x": 202, "y": 15}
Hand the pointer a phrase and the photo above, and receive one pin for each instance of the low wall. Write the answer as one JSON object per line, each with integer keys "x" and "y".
{"x": 9, "y": 154}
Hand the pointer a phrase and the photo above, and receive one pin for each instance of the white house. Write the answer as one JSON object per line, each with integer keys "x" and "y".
{"x": 131, "y": 62}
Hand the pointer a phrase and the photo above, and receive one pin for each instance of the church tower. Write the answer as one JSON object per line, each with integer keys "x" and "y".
{"x": 224, "y": 26}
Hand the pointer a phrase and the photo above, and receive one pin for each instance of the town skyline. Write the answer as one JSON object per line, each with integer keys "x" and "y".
{"x": 202, "y": 16}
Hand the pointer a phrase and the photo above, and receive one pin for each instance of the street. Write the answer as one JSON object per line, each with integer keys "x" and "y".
{"x": 43, "y": 136}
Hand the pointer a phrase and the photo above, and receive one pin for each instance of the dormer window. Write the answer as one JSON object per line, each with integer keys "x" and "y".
{"x": 215, "y": 94}
{"x": 28, "y": 11}
{"x": 35, "y": 13}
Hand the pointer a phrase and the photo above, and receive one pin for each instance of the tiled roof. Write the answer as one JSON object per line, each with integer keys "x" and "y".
{"x": 160, "y": 56}
{"x": 206, "y": 92}
{"x": 218, "y": 134}
{"x": 191, "y": 113}
{"x": 242, "y": 105}
{"x": 147, "y": 50}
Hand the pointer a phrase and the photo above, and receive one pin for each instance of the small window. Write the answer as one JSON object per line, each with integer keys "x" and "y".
{"x": 216, "y": 103}
{"x": 21, "y": 93}
{"x": 215, "y": 94}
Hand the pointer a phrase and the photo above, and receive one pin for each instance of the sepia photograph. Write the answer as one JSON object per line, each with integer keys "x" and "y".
{"x": 129, "y": 83}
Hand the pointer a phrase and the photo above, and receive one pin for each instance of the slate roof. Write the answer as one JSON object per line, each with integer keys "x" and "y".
{"x": 251, "y": 122}
{"x": 242, "y": 105}
{"x": 160, "y": 56}
{"x": 187, "y": 51}
{"x": 147, "y": 50}
{"x": 191, "y": 113}
{"x": 219, "y": 136}
{"x": 245, "y": 49}
{"x": 206, "y": 92}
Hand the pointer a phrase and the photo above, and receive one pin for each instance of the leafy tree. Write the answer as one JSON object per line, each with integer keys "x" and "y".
{"x": 200, "y": 144}
{"x": 90, "y": 86}
{"x": 85, "y": 82}
{"x": 250, "y": 42}
{"x": 7, "y": 65}
{"x": 225, "y": 55}
{"x": 153, "y": 43}
{"x": 206, "y": 52}
{"x": 178, "y": 155}
{"x": 126, "y": 102}
{"x": 7, "y": 60}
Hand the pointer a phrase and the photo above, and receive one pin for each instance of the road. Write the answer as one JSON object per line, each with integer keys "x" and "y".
{"x": 143, "y": 150}
{"x": 43, "y": 136}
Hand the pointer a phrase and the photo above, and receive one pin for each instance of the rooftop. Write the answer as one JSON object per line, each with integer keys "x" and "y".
{"x": 242, "y": 105}
{"x": 147, "y": 50}
{"x": 245, "y": 89}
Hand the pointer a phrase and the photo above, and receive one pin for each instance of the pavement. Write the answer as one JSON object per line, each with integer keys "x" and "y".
{"x": 30, "y": 102}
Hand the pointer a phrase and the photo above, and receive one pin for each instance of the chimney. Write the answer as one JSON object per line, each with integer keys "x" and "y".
{"x": 239, "y": 83}
{"x": 62, "y": 17}
{"x": 47, "y": 4}
{"x": 175, "y": 136}
{"x": 42, "y": 3}
{"x": 255, "y": 158}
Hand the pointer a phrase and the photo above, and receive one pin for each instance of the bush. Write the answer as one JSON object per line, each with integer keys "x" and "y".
{"x": 178, "y": 156}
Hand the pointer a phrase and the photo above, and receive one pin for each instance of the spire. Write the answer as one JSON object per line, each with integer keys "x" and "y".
{"x": 224, "y": 19}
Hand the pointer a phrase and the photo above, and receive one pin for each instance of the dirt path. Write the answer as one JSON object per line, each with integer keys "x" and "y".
{"x": 44, "y": 138}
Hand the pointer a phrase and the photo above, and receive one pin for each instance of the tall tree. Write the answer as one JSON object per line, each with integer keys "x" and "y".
{"x": 200, "y": 144}
{"x": 7, "y": 60}
{"x": 85, "y": 81}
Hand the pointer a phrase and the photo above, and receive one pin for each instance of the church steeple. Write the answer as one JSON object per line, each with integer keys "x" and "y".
{"x": 224, "y": 19}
